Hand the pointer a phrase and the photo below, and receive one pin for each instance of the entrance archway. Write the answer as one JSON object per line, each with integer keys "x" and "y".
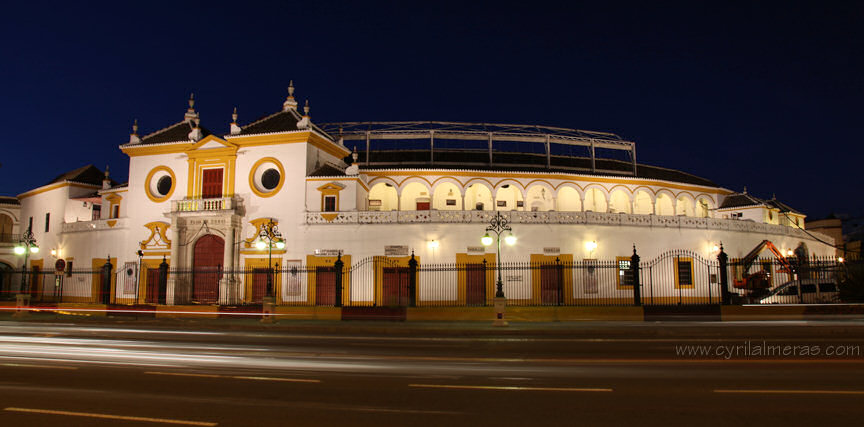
{"x": 207, "y": 268}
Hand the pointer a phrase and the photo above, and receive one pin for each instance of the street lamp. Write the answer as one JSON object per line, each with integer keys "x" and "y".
{"x": 26, "y": 246}
{"x": 498, "y": 225}
{"x": 268, "y": 237}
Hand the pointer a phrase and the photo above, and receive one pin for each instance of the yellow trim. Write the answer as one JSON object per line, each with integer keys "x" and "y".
{"x": 536, "y": 278}
{"x": 111, "y": 222}
{"x": 114, "y": 199}
{"x": 156, "y": 198}
{"x": 157, "y": 227}
{"x": 96, "y": 264}
{"x": 677, "y": 275}
{"x": 312, "y": 262}
{"x": 618, "y": 270}
{"x": 330, "y": 190}
{"x": 249, "y": 276}
{"x": 269, "y": 193}
{"x": 294, "y": 137}
{"x": 259, "y": 223}
{"x": 359, "y": 181}
{"x": 527, "y": 175}
{"x": 147, "y": 264}
{"x": 54, "y": 187}
{"x": 151, "y": 150}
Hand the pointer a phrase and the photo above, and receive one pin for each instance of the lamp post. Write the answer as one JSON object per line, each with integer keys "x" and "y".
{"x": 26, "y": 246}
{"x": 271, "y": 234}
{"x": 498, "y": 225}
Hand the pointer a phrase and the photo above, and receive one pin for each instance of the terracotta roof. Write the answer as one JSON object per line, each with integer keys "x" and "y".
{"x": 176, "y": 132}
{"x": 86, "y": 175}
{"x": 327, "y": 170}
{"x": 741, "y": 200}
{"x": 283, "y": 121}
{"x": 783, "y": 207}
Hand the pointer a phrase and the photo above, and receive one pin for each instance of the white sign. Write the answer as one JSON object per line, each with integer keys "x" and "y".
{"x": 328, "y": 252}
{"x": 396, "y": 250}
{"x": 551, "y": 251}
{"x": 476, "y": 250}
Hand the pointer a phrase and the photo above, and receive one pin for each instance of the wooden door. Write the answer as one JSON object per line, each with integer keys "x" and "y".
{"x": 207, "y": 265}
{"x": 259, "y": 285}
{"x": 211, "y": 184}
{"x": 152, "y": 296}
{"x": 325, "y": 286}
{"x": 550, "y": 285}
{"x": 475, "y": 284}
{"x": 423, "y": 206}
{"x": 395, "y": 286}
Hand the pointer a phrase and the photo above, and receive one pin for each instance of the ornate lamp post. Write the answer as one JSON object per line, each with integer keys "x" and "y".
{"x": 498, "y": 225}
{"x": 26, "y": 246}
{"x": 268, "y": 237}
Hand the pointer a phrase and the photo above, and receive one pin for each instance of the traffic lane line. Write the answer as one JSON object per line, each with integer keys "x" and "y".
{"x": 790, "y": 391}
{"x": 110, "y": 416}
{"x": 236, "y": 377}
{"x": 26, "y": 365}
{"x": 511, "y": 388}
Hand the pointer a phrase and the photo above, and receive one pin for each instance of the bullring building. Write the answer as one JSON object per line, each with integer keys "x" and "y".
{"x": 200, "y": 199}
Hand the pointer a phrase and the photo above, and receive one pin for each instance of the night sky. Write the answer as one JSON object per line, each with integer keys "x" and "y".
{"x": 763, "y": 95}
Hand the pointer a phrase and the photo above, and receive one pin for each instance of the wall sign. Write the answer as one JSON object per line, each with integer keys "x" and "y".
{"x": 396, "y": 250}
{"x": 328, "y": 252}
{"x": 474, "y": 250}
{"x": 551, "y": 251}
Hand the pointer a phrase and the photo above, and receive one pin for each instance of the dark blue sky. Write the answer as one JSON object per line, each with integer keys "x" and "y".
{"x": 767, "y": 95}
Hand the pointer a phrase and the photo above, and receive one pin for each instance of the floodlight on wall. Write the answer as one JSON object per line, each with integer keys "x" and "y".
{"x": 840, "y": 259}
{"x": 432, "y": 244}
{"x": 715, "y": 248}
{"x": 591, "y": 245}
{"x": 54, "y": 252}
{"x": 790, "y": 252}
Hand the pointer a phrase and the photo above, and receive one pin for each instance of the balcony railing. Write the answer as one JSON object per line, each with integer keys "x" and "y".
{"x": 8, "y": 238}
{"x": 204, "y": 205}
{"x": 99, "y": 224}
{"x": 551, "y": 217}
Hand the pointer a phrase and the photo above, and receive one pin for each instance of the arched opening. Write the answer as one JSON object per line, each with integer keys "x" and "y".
{"x": 383, "y": 197}
{"x": 642, "y": 203}
{"x": 684, "y": 206}
{"x": 207, "y": 257}
{"x": 569, "y": 200}
{"x": 508, "y": 198}
{"x": 415, "y": 197}
{"x": 447, "y": 197}
{"x": 539, "y": 199}
{"x": 595, "y": 201}
{"x": 664, "y": 205}
{"x": 620, "y": 202}
{"x": 478, "y": 197}
{"x": 703, "y": 208}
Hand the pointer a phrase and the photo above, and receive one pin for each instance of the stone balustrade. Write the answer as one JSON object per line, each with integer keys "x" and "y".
{"x": 204, "y": 205}
{"x": 553, "y": 217}
{"x": 96, "y": 225}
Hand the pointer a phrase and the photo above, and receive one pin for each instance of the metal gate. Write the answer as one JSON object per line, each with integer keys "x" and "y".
{"x": 680, "y": 277}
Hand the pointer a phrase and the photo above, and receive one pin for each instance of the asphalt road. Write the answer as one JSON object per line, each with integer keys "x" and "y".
{"x": 592, "y": 374}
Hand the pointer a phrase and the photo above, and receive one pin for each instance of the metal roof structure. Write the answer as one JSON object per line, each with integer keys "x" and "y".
{"x": 552, "y": 141}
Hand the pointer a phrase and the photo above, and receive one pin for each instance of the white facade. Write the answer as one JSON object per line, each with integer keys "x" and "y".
{"x": 171, "y": 205}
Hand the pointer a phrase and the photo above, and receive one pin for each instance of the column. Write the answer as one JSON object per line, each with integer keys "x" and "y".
{"x": 171, "y": 292}
{"x": 226, "y": 288}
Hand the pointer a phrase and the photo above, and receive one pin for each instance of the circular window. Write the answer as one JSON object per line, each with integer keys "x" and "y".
{"x": 163, "y": 186}
{"x": 270, "y": 179}
{"x": 266, "y": 177}
{"x": 160, "y": 184}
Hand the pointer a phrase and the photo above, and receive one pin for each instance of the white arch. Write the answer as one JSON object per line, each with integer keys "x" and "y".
{"x": 444, "y": 193}
{"x": 478, "y": 192}
{"x": 596, "y": 200}
{"x": 684, "y": 205}
{"x": 569, "y": 199}
{"x": 619, "y": 201}
{"x": 643, "y": 202}
{"x": 539, "y": 197}
{"x": 664, "y": 204}
{"x": 415, "y": 195}
{"x": 385, "y": 195}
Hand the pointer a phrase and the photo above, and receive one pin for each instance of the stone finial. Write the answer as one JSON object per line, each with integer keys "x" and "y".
{"x": 133, "y": 137}
{"x": 235, "y": 128}
{"x": 191, "y": 114}
{"x": 306, "y": 121}
{"x": 195, "y": 135}
{"x": 745, "y": 189}
{"x": 290, "y": 103}
{"x": 106, "y": 181}
{"x": 306, "y": 109}
{"x": 354, "y": 154}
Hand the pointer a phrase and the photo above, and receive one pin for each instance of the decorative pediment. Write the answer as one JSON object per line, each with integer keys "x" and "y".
{"x": 158, "y": 238}
{"x": 258, "y": 224}
{"x": 211, "y": 145}
{"x": 331, "y": 186}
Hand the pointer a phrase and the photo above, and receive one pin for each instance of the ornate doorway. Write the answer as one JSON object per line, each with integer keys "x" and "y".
{"x": 207, "y": 268}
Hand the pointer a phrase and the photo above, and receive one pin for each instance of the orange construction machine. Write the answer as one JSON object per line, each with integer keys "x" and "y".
{"x": 759, "y": 279}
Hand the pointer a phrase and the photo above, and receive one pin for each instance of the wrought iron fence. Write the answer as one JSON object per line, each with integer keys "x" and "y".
{"x": 676, "y": 277}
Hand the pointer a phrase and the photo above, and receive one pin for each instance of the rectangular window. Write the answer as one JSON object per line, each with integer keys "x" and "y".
{"x": 625, "y": 274}
{"x": 329, "y": 203}
{"x": 30, "y": 226}
{"x": 211, "y": 187}
{"x": 501, "y": 203}
{"x": 520, "y": 204}
{"x": 115, "y": 211}
{"x": 47, "y": 221}
{"x": 97, "y": 212}
{"x": 684, "y": 273}
{"x": 451, "y": 202}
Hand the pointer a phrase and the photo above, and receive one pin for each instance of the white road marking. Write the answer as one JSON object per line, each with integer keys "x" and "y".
{"x": 237, "y": 377}
{"x": 509, "y": 388}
